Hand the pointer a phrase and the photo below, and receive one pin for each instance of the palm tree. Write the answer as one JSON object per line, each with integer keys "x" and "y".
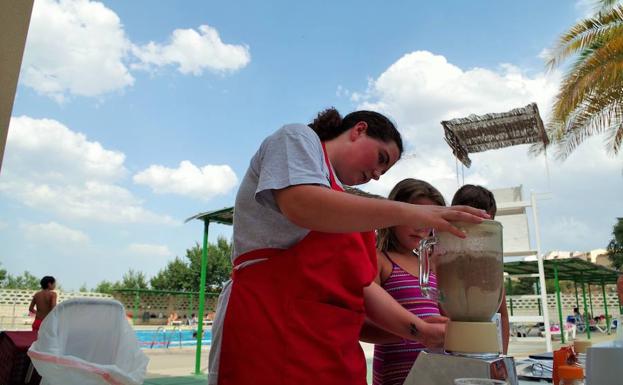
{"x": 590, "y": 99}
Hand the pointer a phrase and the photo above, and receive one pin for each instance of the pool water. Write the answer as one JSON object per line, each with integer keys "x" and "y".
{"x": 170, "y": 338}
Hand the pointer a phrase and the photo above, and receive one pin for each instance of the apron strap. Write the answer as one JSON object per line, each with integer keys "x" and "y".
{"x": 256, "y": 254}
{"x": 334, "y": 184}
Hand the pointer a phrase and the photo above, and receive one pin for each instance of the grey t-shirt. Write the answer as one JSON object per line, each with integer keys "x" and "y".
{"x": 291, "y": 156}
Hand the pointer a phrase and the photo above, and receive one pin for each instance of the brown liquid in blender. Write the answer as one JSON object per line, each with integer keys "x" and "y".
{"x": 470, "y": 285}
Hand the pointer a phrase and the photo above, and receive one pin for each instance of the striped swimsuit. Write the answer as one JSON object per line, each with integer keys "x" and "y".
{"x": 392, "y": 362}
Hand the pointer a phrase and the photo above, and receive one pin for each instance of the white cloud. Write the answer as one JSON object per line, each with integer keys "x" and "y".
{"x": 189, "y": 180}
{"x": 91, "y": 200}
{"x": 341, "y": 91}
{"x": 54, "y": 233}
{"x": 79, "y": 47}
{"x": 566, "y": 228}
{"x": 149, "y": 250}
{"x": 53, "y": 152}
{"x": 75, "y": 47}
{"x": 421, "y": 89}
{"x": 193, "y": 51}
{"x": 50, "y": 167}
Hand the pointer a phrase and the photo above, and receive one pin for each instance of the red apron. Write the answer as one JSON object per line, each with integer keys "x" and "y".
{"x": 295, "y": 318}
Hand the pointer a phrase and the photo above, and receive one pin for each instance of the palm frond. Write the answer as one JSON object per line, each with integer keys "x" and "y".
{"x": 592, "y": 104}
{"x": 585, "y": 33}
{"x": 615, "y": 139}
{"x": 601, "y": 69}
{"x": 598, "y": 114}
{"x": 590, "y": 98}
{"x": 537, "y": 148}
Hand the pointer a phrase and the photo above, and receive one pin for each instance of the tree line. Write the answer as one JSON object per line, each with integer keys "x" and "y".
{"x": 184, "y": 274}
{"x": 181, "y": 274}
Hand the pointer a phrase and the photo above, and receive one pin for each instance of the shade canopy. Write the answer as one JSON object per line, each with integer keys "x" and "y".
{"x": 477, "y": 133}
{"x": 570, "y": 269}
{"x": 224, "y": 216}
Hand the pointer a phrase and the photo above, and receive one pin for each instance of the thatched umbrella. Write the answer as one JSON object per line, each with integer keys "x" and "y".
{"x": 478, "y": 133}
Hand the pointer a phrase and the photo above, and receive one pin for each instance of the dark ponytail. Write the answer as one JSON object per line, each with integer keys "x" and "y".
{"x": 329, "y": 125}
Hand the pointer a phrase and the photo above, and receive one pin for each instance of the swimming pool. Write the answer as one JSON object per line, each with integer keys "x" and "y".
{"x": 176, "y": 338}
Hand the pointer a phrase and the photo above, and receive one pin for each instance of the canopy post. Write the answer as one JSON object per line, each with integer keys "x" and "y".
{"x": 510, "y": 290}
{"x": 590, "y": 299}
{"x": 577, "y": 302}
{"x": 543, "y": 289}
{"x": 202, "y": 292}
{"x": 224, "y": 216}
{"x": 562, "y": 333}
{"x": 586, "y": 318}
{"x": 603, "y": 292}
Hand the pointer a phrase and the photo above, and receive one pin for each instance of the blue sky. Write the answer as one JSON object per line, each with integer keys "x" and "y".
{"x": 131, "y": 116}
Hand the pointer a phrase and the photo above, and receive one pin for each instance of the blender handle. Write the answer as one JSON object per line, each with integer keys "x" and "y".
{"x": 425, "y": 252}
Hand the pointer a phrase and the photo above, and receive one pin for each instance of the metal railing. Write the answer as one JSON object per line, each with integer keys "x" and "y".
{"x": 179, "y": 332}
{"x": 155, "y": 337}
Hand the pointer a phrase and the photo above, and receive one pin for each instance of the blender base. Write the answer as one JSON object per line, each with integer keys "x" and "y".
{"x": 443, "y": 369}
{"x": 473, "y": 338}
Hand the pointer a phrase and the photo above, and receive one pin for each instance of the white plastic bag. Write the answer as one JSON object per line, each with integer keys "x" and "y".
{"x": 88, "y": 342}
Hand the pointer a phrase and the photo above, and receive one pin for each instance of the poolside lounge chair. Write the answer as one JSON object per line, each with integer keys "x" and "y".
{"x": 88, "y": 341}
{"x": 569, "y": 331}
{"x": 523, "y": 326}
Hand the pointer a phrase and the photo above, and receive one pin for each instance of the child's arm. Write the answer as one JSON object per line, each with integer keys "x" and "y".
{"x": 371, "y": 333}
{"x": 383, "y": 310}
{"x": 321, "y": 209}
{"x": 31, "y": 308}
{"x": 52, "y": 300}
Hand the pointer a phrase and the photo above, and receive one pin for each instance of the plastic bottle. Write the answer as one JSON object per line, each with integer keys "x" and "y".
{"x": 570, "y": 375}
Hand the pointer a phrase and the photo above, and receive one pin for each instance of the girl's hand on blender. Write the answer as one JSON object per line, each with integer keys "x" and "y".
{"x": 440, "y": 218}
{"x": 433, "y": 332}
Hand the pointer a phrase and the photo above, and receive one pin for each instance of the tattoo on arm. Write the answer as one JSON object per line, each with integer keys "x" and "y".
{"x": 413, "y": 330}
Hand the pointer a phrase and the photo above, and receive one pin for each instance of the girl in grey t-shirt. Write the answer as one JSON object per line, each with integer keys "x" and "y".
{"x": 304, "y": 256}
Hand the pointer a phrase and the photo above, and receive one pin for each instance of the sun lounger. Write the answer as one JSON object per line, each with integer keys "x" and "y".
{"x": 524, "y": 325}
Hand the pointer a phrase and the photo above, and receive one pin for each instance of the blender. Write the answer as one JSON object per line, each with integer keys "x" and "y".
{"x": 469, "y": 290}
